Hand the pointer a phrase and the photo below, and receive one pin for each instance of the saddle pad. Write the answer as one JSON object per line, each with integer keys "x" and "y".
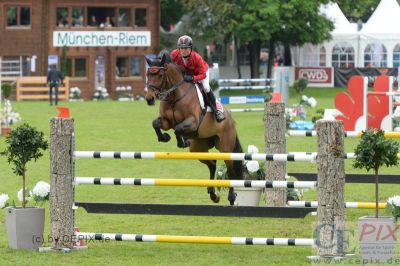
{"x": 202, "y": 104}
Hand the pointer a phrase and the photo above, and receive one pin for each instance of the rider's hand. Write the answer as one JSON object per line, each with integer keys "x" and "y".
{"x": 188, "y": 78}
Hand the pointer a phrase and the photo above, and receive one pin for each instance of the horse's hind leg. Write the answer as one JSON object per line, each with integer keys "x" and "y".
{"x": 212, "y": 166}
{"x": 203, "y": 145}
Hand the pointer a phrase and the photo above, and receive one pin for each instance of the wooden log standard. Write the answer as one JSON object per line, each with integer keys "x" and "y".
{"x": 331, "y": 181}
{"x": 275, "y": 142}
{"x": 61, "y": 179}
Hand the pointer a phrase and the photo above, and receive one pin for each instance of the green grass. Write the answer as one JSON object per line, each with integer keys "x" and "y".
{"x": 126, "y": 126}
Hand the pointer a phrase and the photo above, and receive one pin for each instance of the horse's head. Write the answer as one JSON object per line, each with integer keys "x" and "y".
{"x": 156, "y": 78}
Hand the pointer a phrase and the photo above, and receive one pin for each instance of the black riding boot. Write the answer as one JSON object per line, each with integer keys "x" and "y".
{"x": 219, "y": 116}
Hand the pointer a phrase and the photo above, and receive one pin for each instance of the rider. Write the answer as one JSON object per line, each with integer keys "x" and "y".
{"x": 196, "y": 70}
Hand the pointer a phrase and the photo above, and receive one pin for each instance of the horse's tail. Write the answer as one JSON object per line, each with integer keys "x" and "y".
{"x": 238, "y": 165}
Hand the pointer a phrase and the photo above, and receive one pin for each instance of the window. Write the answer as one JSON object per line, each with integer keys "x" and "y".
{"x": 375, "y": 55}
{"x": 124, "y": 18}
{"x": 77, "y": 16}
{"x": 76, "y": 67}
{"x": 127, "y": 67}
{"x": 18, "y": 16}
{"x": 140, "y": 17}
{"x": 62, "y": 17}
{"x": 343, "y": 55}
{"x": 134, "y": 66}
{"x": 100, "y": 16}
{"x": 396, "y": 56}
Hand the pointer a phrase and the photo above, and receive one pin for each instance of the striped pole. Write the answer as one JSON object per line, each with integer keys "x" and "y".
{"x": 245, "y": 110}
{"x": 192, "y": 182}
{"x": 356, "y": 205}
{"x": 383, "y": 93}
{"x": 249, "y": 87}
{"x": 348, "y": 155}
{"x": 196, "y": 156}
{"x": 220, "y": 81}
{"x": 349, "y": 134}
{"x": 196, "y": 239}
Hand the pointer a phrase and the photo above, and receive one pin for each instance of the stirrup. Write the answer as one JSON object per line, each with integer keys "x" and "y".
{"x": 219, "y": 116}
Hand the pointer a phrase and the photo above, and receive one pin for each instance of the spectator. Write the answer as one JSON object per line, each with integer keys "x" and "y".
{"x": 108, "y": 23}
{"x": 93, "y": 21}
{"x": 54, "y": 78}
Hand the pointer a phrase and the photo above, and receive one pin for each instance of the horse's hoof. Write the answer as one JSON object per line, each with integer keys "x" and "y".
{"x": 232, "y": 203}
{"x": 215, "y": 198}
{"x": 164, "y": 138}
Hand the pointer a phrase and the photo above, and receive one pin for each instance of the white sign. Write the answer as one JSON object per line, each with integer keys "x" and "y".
{"x": 101, "y": 38}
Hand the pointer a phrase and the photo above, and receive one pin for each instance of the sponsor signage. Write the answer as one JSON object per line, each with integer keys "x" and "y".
{"x": 101, "y": 38}
{"x": 316, "y": 76}
{"x": 242, "y": 99}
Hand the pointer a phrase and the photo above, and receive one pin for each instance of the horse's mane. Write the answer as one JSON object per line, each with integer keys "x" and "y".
{"x": 169, "y": 61}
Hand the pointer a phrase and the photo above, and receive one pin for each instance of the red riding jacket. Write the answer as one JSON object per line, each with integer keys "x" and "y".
{"x": 196, "y": 66}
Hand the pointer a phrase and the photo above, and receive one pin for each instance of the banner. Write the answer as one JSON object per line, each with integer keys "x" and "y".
{"x": 342, "y": 75}
{"x": 101, "y": 38}
{"x": 316, "y": 76}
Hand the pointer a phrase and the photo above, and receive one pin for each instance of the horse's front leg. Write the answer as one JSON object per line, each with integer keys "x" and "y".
{"x": 187, "y": 127}
{"x": 162, "y": 137}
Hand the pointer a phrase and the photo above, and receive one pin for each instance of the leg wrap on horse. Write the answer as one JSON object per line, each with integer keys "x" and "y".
{"x": 219, "y": 116}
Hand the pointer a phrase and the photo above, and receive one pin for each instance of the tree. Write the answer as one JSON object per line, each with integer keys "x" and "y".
{"x": 25, "y": 143}
{"x": 171, "y": 12}
{"x": 287, "y": 22}
{"x": 373, "y": 152}
{"x": 355, "y": 10}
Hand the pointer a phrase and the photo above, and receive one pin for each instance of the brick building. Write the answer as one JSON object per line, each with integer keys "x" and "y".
{"x": 98, "y": 43}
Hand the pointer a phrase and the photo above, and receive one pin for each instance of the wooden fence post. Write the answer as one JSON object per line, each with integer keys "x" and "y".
{"x": 275, "y": 142}
{"x": 61, "y": 178}
{"x": 331, "y": 181}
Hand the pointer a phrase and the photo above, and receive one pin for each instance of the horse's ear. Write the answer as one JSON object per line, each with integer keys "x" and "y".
{"x": 148, "y": 60}
{"x": 163, "y": 59}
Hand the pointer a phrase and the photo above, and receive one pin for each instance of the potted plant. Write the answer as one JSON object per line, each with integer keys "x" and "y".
{"x": 252, "y": 170}
{"x": 25, "y": 224}
{"x": 373, "y": 152}
{"x": 6, "y": 89}
{"x": 393, "y": 207}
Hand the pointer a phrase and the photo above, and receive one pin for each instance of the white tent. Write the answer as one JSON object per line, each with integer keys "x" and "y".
{"x": 381, "y": 34}
{"x": 344, "y": 32}
{"x": 376, "y": 45}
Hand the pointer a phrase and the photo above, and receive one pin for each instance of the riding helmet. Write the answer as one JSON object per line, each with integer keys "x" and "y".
{"x": 185, "y": 41}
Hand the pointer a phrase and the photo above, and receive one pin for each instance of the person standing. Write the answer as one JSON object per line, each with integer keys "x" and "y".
{"x": 54, "y": 78}
{"x": 196, "y": 70}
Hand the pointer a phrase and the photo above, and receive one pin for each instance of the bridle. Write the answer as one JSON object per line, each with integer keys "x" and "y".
{"x": 158, "y": 90}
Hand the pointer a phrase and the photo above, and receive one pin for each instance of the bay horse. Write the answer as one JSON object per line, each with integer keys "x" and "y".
{"x": 180, "y": 110}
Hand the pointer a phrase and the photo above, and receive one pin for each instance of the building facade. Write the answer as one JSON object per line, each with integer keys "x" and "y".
{"x": 97, "y": 43}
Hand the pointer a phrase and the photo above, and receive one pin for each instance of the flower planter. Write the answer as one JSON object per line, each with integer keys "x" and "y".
{"x": 25, "y": 227}
{"x": 377, "y": 238}
{"x": 5, "y": 131}
{"x": 248, "y": 196}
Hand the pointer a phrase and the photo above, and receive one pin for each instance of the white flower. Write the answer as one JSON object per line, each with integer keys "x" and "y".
{"x": 304, "y": 98}
{"x": 252, "y": 149}
{"x": 28, "y": 195}
{"x": 395, "y": 200}
{"x": 252, "y": 166}
{"x": 42, "y": 189}
{"x": 3, "y": 200}
{"x": 312, "y": 102}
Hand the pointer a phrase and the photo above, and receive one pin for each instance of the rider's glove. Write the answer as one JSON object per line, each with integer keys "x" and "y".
{"x": 188, "y": 78}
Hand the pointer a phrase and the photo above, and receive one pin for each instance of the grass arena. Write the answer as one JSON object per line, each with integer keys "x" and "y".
{"x": 124, "y": 126}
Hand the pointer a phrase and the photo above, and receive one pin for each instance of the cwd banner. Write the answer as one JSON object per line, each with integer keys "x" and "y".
{"x": 316, "y": 76}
